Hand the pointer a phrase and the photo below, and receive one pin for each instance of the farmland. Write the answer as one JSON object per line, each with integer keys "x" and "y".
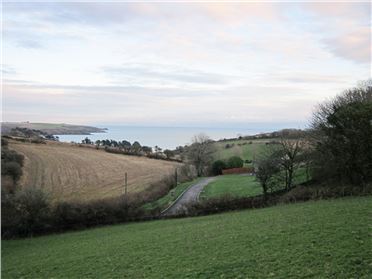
{"x": 70, "y": 172}
{"x": 318, "y": 239}
{"x": 245, "y": 149}
{"x": 234, "y": 185}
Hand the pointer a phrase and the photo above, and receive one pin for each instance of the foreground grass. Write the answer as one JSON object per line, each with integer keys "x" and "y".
{"x": 169, "y": 198}
{"x": 235, "y": 185}
{"x": 324, "y": 239}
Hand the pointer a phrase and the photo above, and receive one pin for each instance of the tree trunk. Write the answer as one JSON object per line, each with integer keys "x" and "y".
{"x": 290, "y": 178}
{"x": 264, "y": 187}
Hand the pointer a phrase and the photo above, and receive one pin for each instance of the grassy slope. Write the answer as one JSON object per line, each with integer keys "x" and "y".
{"x": 246, "y": 152}
{"x": 165, "y": 201}
{"x": 241, "y": 186}
{"x": 324, "y": 239}
{"x": 235, "y": 185}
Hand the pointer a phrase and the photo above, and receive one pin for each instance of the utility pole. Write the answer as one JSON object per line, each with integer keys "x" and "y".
{"x": 176, "y": 176}
{"x": 126, "y": 185}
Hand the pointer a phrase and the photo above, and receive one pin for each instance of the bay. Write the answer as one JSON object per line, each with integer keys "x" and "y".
{"x": 164, "y": 137}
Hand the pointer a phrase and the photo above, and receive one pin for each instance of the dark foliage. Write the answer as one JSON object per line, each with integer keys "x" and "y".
{"x": 234, "y": 162}
{"x": 23, "y": 213}
{"x": 342, "y": 137}
{"x": 11, "y": 162}
{"x": 218, "y": 166}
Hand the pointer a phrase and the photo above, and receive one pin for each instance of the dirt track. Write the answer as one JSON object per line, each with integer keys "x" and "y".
{"x": 70, "y": 172}
{"x": 191, "y": 195}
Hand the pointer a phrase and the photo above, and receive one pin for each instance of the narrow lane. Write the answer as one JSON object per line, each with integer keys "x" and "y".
{"x": 190, "y": 196}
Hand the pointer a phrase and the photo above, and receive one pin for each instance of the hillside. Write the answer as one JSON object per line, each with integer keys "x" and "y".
{"x": 245, "y": 149}
{"x": 70, "y": 172}
{"x": 322, "y": 239}
{"x": 51, "y": 128}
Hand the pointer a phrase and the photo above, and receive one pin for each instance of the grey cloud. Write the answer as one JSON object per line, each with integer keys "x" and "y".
{"x": 313, "y": 78}
{"x": 165, "y": 73}
{"x": 101, "y": 92}
{"x": 81, "y": 12}
{"x": 356, "y": 46}
{"x": 29, "y": 44}
{"x": 346, "y": 28}
{"x": 7, "y": 70}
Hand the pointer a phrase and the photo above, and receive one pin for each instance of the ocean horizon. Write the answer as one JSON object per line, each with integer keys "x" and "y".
{"x": 165, "y": 137}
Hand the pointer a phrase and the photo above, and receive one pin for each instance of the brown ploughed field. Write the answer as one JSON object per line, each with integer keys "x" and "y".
{"x": 70, "y": 172}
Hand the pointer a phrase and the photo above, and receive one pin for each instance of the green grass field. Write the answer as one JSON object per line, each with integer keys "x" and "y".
{"x": 323, "y": 239}
{"x": 245, "y": 150}
{"x": 241, "y": 186}
{"x": 168, "y": 199}
{"x": 234, "y": 185}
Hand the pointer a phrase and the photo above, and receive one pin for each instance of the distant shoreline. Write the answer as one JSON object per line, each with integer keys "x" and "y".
{"x": 52, "y": 128}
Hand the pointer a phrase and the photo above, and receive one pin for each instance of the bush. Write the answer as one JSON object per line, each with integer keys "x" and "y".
{"x": 217, "y": 167}
{"x": 75, "y": 215}
{"x": 4, "y": 142}
{"x": 13, "y": 169}
{"x": 11, "y": 156}
{"x": 187, "y": 172}
{"x": 24, "y": 213}
{"x": 225, "y": 203}
{"x": 235, "y": 162}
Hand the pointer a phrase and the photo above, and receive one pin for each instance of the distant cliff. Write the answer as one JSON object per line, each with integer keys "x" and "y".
{"x": 51, "y": 128}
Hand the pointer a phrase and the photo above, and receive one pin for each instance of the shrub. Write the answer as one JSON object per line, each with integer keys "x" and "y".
{"x": 24, "y": 213}
{"x": 13, "y": 169}
{"x": 235, "y": 162}
{"x": 77, "y": 215}
{"x": 11, "y": 156}
{"x": 225, "y": 203}
{"x": 218, "y": 166}
{"x": 187, "y": 172}
{"x": 4, "y": 142}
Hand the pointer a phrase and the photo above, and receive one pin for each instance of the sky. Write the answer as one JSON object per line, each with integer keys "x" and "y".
{"x": 199, "y": 64}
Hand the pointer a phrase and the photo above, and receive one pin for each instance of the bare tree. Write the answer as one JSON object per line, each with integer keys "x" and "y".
{"x": 288, "y": 157}
{"x": 267, "y": 167}
{"x": 200, "y": 153}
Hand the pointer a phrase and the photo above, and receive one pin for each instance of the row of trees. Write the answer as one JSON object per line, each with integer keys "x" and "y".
{"x": 132, "y": 148}
{"x": 113, "y": 143}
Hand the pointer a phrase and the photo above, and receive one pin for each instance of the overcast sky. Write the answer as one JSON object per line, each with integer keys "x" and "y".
{"x": 180, "y": 64}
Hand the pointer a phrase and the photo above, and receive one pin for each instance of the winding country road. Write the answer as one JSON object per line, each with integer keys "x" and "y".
{"x": 189, "y": 196}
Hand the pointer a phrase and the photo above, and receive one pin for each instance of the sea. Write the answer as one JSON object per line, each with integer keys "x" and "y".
{"x": 164, "y": 137}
